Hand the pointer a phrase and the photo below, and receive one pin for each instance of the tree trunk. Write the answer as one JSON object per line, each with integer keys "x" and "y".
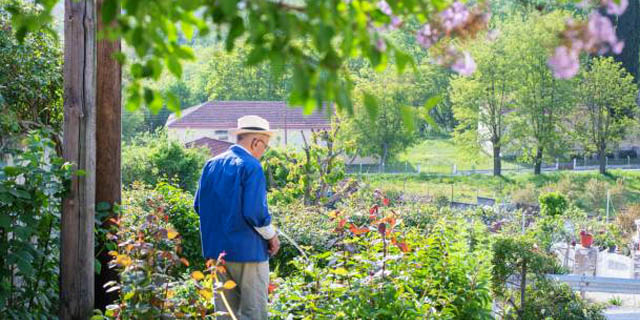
{"x": 628, "y": 30}
{"x": 108, "y": 141}
{"x": 602, "y": 157}
{"x": 385, "y": 152}
{"x": 79, "y": 147}
{"x": 497, "y": 162}
{"x": 538, "y": 162}
{"x": 523, "y": 289}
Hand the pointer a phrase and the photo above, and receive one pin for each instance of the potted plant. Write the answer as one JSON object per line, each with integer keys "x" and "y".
{"x": 586, "y": 239}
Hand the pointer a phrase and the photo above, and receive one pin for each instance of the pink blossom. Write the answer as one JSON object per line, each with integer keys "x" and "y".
{"x": 464, "y": 65}
{"x": 396, "y": 22}
{"x": 427, "y": 36}
{"x": 454, "y": 16}
{"x": 601, "y": 32}
{"x": 564, "y": 63}
{"x": 618, "y": 9}
{"x": 384, "y": 7}
{"x": 381, "y": 45}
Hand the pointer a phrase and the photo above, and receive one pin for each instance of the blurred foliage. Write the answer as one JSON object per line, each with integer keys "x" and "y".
{"x": 31, "y": 189}
{"x": 152, "y": 158}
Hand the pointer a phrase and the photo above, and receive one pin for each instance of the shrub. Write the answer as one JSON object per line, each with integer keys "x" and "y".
{"x": 376, "y": 272}
{"x": 30, "y": 206}
{"x": 311, "y": 174}
{"x": 177, "y": 205}
{"x": 153, "y": 158}
{"x": 552, "y": 204}
{"x": 148, "y": 260}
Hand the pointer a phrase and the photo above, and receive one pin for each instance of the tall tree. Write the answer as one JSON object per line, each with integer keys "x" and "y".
{"x": 482, "y": 103}
{"x": 378, "y": 127}
{"x": 606, "y": 99}
{"x": 542, "y": 101}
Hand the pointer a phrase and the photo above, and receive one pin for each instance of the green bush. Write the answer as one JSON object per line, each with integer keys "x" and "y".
{"x": 382, "y": 270}
{"x": 153, "y": 158}
{"x": 311, "y": 174}
{"x": 552, "y": 204}
{"x": 152, "y": 283}
{"x": 31, "y": 192}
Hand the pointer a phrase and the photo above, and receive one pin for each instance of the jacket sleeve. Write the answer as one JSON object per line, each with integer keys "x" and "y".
{"x": 254, "y": 202}
{"x": 196, "y": 198}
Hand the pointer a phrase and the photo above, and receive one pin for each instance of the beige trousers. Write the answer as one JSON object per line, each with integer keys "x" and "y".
{"x": 248, "y": 300}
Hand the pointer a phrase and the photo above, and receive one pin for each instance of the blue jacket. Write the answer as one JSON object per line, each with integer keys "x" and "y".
{"x": 231, "y": 200}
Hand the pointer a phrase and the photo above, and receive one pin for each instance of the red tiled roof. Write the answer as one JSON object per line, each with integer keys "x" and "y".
{"x": 225, "y": 114}
{"x": 215, "y": 146}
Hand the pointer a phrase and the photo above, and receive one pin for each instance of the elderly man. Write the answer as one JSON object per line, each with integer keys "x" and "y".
{"x": 234, "y": 218}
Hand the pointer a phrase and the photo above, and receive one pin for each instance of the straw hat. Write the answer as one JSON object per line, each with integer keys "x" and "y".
{"x": 253, "y": 124}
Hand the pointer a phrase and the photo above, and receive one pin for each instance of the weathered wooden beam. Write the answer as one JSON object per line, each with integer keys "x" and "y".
{"x": 108, "y": 125}
{"x": 79, "y": 147}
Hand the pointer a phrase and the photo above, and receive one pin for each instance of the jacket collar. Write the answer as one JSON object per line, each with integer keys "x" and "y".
{"x": 241, "y": 150}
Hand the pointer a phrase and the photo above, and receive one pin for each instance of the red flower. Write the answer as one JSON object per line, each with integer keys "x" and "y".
{"x": 386, "y": 201}
{"x": 272, "y": 287}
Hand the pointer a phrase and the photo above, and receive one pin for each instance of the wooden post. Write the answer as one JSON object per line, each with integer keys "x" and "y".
{"x": 108, "y": 141}
{"x": 79, "y": 147}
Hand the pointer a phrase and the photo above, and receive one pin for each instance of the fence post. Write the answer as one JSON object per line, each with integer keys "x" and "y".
{"x": 606, "y": 160}
{"x": 575, "y": 164}
{"x": 629, "y": 161}
{"x": 454, "y": 170}
{"x": 361, "y": 168}
{"x": 557, "y": 164}
{"x": 406, "y": 167}
{"x": 418, "y": 168}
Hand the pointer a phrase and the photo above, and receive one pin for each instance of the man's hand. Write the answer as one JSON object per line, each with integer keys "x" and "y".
{"x": 274, "y": 245}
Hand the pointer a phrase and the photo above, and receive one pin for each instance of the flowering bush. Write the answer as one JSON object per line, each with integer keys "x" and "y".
{"x": 378, "y": 270}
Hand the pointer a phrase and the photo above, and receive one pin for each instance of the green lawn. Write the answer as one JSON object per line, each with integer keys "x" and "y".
{"x": 439, "y": 156}
{"x": 587, "y": 189}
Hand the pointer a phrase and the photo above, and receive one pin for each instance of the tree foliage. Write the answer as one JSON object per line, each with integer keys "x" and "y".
{"x": 383, "y": 124}
{"x": 483, "y": 103}
{"x": 31, "y": 79}
{"x": 152, "y": 158}
{"x": 543, "y": 102}
{"x": 606, "y": 107}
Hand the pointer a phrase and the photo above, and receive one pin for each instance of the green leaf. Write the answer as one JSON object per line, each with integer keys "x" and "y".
{"x": 173, "y": 103}
{"x": 174, "y": 66}
{"x": 97, "y": 266}
{"x": 109, "y": 10}
{"x": 371, "y": 104}
{"x": 5, "y": 221}
{"x": 103, "y": 206}
{"x": 402, "y": 59}
{"x": 408, "y": 117}
{"x": 340, "y": 271}
{"x": 187, "y": 29}
{"x": 432, "y": 102}
{"x": 20, "y": 194}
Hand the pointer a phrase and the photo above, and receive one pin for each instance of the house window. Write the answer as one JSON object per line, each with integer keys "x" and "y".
{"x": 222, "y": 135}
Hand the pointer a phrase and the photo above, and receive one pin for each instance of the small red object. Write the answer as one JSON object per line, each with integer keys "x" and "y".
{"x": 586, "y": 239}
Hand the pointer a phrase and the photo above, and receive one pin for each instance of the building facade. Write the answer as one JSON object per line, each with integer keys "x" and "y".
{"x": 210, "y": 123}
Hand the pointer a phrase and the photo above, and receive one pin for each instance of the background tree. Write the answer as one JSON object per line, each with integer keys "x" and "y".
{"x": 30, "y": 81}
{"x": 482, "y": 103}
{"x": 378, "y": 126}
{"x": 542, "y": 100}
{"x": 606, "y": 99}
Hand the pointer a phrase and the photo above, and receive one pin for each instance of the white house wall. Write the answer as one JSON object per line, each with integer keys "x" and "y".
{"x": 186, "y": 135}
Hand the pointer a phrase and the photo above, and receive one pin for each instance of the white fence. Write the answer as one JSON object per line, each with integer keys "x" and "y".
{"x": 598, "y": 284}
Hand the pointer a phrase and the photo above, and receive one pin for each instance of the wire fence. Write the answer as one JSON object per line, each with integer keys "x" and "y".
{"x": 575, "y": 165}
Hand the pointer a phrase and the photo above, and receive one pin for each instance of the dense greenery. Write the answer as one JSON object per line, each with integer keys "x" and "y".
{"x": 31, "y": 191}
{"x": 152, "y": 158}
{"x": 30, "y": 81}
